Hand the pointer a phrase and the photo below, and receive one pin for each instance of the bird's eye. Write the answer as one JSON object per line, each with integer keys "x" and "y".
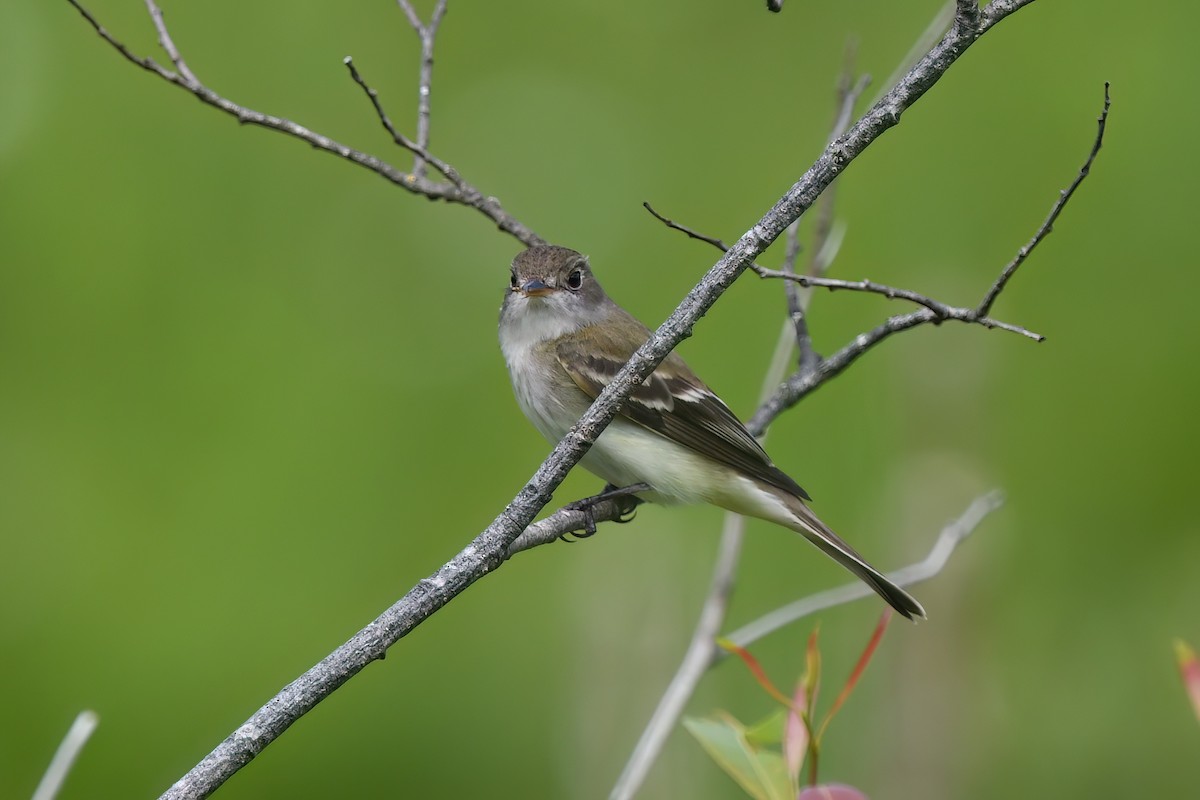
{"x": 575, "y": 279}
{"x": 512, "y": 281}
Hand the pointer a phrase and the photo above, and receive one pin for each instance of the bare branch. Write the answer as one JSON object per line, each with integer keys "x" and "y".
{"x": 418, "y": 150}
{"x": 798, "y": 386}
{"x": 696, "y": 661}
{"x": 427, "y": 34}
{"x": 1063, "y": 198}
{"x": 824, "y": 244}
{"x": 940, "y": 310}
{"x": 693, "y": 234}
{"x": 168, "y": 45}
{"x": 64, "y": 757}
{"x": 459, "y": 192}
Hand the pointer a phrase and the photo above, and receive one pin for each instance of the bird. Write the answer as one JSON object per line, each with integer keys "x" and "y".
{"x": 564, "y": 339}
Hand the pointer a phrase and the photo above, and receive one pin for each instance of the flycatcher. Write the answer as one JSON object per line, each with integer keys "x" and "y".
{"x": 564, "y": 340}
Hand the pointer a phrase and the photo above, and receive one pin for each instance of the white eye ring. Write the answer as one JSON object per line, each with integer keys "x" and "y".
{"x": 575, "y": 279}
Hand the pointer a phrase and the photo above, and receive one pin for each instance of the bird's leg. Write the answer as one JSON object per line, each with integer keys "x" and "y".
{"x": 611, "y": 492}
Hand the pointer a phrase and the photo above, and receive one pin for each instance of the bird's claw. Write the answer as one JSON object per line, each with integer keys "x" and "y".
{"x": 629, "y": 503}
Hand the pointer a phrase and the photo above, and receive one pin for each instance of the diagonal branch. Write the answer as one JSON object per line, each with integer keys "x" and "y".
{"x": 458, "y": 192}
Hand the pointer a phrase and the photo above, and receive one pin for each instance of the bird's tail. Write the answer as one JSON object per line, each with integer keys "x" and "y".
{"x": 808, "y": 525}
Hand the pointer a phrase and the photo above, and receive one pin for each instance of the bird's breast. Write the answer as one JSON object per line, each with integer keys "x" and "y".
{"x": 544, "y": 390}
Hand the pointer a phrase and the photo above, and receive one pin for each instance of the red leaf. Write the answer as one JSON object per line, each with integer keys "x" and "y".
{"x": 1189, "y": 670}
{"x": 859, "y": 668}
{"x": 797, "y": 732}
{"x": 756, "y": 670}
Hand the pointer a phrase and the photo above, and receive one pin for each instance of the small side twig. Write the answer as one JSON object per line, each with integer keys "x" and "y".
{"x": 696, "y": 661}
{"x": 941, "y": 310}
{"x": 168, "y": 44}
{"x": 937, "y": 310}
{"x": 569, "y": 519}
{"x": 824, "y": 243}
{"x": 690, "y": 232}
{"x": 451, "y": 191}
{"x": 416, "y": 148}
{"x": 64, "y": 757}
{"x": 1048, "y": 225}
{"x": 427, "y": 33}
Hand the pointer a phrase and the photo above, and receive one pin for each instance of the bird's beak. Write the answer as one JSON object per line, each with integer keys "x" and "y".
{"x": 535, "y": 287}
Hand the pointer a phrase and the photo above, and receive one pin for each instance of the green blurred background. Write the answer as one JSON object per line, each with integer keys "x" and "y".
{"x": 250, "y": 393}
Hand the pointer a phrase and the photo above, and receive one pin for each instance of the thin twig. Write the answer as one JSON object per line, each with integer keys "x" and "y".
{"x": 418, "y": 150}
{"x": 715, "y": 242}
{"x": 1048, "y": 225}
{"x": 461, "y": 193}
{"x": 427, "y": 33}
{"x": 797, "y": 300}
{"x": 64, "y": 757}
{"x": 696, "y": 660}
{"x": 799, "y": 386}
{"x": 168, "y": 44}
{"x": 937, "y": 310}
{"x": 941, "y": 310}
{"x": 824, "y": 243}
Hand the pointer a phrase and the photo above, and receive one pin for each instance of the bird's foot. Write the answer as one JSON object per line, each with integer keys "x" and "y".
{"x": 629, "y": 503}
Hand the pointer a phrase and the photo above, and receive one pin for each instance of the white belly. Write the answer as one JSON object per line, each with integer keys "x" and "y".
{"x": 625, "y": 453}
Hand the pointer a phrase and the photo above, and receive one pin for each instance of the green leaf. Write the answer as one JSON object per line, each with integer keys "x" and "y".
{"x": 760, "y": 773}
{"x": 768, "y": 730}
